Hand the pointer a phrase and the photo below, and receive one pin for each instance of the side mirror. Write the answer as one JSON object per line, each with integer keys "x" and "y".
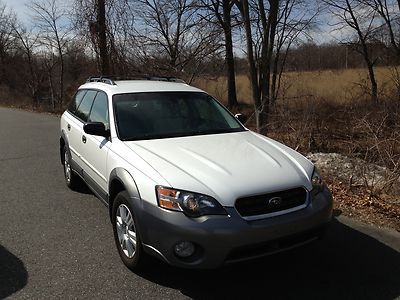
{"x": 96, "y": 128}
{"x": 242, "y": 118}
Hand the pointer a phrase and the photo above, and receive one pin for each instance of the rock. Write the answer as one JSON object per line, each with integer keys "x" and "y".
{"x": 357, "y": 171}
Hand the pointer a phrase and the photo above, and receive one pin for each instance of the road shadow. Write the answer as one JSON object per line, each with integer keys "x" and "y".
{"x": 346, "y": 264}
{"x": 13, "y": 275}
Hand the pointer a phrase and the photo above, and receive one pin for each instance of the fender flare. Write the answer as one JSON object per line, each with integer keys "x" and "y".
{"x": 63, "y": 137}
{"x": 129, "y": 184}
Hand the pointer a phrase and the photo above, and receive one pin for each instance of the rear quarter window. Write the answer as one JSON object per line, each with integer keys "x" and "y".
{"x": 76, "y": 101}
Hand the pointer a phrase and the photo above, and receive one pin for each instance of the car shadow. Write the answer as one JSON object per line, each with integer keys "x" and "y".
{"x": 82, "y": 188}
{"x": 13, "y": 275}
{"x": 346, "y": 264}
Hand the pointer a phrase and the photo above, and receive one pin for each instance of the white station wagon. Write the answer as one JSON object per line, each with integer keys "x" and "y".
{"x": 184, "y": 180}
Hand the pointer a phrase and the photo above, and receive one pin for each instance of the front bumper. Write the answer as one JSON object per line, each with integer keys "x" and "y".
{"x": 225, "y": 239}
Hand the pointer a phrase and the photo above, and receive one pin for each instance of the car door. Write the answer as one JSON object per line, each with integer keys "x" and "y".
{"x": 95, "y": 148}
{"x": 79, "y": 113}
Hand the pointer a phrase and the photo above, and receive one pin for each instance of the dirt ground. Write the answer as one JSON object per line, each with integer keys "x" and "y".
{"x": 355, "y": 202}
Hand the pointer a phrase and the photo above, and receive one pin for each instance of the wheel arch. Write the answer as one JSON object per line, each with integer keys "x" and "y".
{"x": 63, "y": 142}
{"x": 121, "y": 180}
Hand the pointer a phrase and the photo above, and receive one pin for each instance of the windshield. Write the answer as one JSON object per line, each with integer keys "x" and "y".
{"x": 170, "y": 114}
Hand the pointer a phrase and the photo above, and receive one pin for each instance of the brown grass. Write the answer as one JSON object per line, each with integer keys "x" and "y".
{"x": 338, "y": 86}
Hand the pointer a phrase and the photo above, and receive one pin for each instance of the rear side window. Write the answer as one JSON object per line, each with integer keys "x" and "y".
{"x": 76, "y": 101}
{"x": 99, "y": 112}
{"x": 84, "y": 107}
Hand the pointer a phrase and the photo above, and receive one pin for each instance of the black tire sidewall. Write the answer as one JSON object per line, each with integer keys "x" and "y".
{"x": 135, "y": 262}
{"x": 70, "y": 184}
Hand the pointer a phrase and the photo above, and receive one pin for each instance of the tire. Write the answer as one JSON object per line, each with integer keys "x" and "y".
{"x": 71, "y": 179}
{"x": 126, "y": 234}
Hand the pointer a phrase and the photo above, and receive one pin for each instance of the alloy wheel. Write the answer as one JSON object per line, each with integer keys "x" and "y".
{"x": 126, "y": 230}
{"x": 67, "y": 168}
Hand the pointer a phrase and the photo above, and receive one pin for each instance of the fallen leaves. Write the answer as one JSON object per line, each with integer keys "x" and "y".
{"x": 383, "y": 211}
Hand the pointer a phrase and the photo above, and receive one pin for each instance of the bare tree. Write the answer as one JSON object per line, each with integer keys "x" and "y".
{"x": 260, "y": 61}
{"x": 50, "y": 19}
{"x": 108, "y": 27}
{"x": 219, "y": 11}
{"x": 7, "y": 22}
{"x": 28, "y": 42}
{"x": 389, "y": 13}
{"x": 271, "y": 27}
{"x": 296, "y": 19}
{"x": 101, "y": 29}
{"x": 171, "y": 31}
{"x": 356, "y": 16}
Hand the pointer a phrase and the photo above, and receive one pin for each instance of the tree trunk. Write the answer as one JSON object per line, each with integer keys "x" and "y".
{"x": 371, "y": 72}
{"x": 365, "y": 53}
{"x": 101, "y": 23}
{"x": 251, "y": 61}
{"x": 269, "y": 32}
{"x": 61, "y": 78}
{"x": 232, "y": 98}
{"x": 272, "y": 20}
{"x": 274, "y": 93}
{"x": 273, "y": 17}
{"x": 53, "y": 102}
{"x": 374, "y": 85}
{"x": 34, "y": 88}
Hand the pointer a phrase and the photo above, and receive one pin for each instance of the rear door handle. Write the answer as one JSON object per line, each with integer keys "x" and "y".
{"x": 84, "y": 139}
{"x": 69, "y": 127}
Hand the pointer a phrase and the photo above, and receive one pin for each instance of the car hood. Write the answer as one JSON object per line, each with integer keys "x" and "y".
{"x": 226, "y": 166}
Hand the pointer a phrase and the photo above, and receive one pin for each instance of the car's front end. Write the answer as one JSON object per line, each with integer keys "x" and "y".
{"x": 221, "y": 237}
{"x": 217, "y": 207}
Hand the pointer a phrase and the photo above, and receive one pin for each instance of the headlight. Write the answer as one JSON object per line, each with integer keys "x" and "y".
{"x": 191, "y": 204}
{"x": 317, "y": 182}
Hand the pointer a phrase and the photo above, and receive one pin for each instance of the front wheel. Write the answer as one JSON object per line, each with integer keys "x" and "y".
{"x": 126, "y": 234}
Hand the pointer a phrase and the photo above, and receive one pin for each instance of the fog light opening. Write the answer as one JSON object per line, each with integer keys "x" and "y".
{"x": 184, "y": 249}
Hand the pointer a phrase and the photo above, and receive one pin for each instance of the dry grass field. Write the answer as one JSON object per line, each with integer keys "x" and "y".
{"x": 338, "y": 85}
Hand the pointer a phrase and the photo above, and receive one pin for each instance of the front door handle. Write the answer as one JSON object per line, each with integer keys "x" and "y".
{"x": 84, "y": 139}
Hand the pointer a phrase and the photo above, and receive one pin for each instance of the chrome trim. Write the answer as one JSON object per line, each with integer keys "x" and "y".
{"x": 278, "y": 213}
{"x": 156, "y": 251}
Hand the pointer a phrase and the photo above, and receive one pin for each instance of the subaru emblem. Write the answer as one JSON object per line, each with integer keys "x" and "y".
{"x": 275, "y": 201}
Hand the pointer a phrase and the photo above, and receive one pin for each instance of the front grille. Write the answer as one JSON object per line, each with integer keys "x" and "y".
{"x": 270, "y": 203}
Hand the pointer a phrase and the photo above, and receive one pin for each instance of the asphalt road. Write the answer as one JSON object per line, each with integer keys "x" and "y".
{"x": 55, "y": 243}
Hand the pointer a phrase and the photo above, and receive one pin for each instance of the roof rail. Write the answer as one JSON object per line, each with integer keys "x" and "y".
{"x": 111, "y": 79}
{"x": 164, "y": 78}
{"x": 101, "y": 78}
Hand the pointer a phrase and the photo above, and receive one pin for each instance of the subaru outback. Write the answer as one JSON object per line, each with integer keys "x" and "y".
{"x": 184, "y": 180}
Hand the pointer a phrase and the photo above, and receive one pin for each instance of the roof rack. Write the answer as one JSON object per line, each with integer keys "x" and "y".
{"x": 101, "y": 78}
{"x": 111, "y": 79}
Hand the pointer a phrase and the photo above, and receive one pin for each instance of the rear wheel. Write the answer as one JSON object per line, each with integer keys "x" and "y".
{"x": 126, "y": 234}
{"x": 71, "y": 179}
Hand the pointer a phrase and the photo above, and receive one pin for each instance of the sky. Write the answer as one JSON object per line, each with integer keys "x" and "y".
{"x": 20, "y": 7}
{"x": 22, "y": 10}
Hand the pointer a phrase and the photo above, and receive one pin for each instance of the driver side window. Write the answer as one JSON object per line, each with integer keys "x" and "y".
{"x": 99, "y": 111}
